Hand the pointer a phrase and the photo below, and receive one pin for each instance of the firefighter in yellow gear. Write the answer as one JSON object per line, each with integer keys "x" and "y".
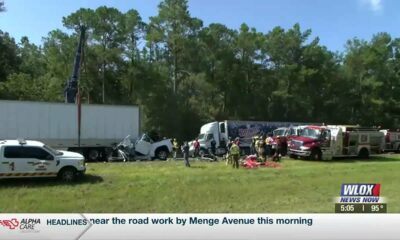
{"x": 234, "y": 152}
{"x": 260, "y": 147}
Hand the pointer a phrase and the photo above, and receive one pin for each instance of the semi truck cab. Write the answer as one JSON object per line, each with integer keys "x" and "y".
{"x": 208, "y": 132}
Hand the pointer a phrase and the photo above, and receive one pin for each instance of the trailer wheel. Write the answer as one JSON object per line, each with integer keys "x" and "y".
{"x": 316, "y": 154}
{"x": 93, "y": 155}
{"x": 67, "y": 174}
{"x": 364, "y": 153}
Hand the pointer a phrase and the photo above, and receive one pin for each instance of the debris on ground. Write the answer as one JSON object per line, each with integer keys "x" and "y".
{"x": 251, "y": 162}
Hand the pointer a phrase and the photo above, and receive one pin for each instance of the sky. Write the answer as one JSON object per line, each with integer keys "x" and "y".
{"x": 333, "y": 21}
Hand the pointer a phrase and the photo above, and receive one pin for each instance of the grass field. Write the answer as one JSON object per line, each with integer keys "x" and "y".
{"x": 166, "y": 187}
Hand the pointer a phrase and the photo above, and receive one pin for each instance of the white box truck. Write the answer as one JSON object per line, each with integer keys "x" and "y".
{"x": 56, "y": 124}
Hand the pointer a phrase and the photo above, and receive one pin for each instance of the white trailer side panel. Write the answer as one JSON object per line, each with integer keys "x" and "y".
{"x": 57, "y": 123}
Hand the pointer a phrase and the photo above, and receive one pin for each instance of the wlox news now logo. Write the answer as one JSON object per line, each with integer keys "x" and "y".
{"x": 24, "y": 224}
{"x": 360, "y": 193}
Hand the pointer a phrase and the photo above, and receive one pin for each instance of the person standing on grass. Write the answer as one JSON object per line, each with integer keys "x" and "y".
{"x": 253, "y": 145}
{"x": 268, "y": 145}
{"x": 196, "y": 146}
{"x": 213, "y": 148}
{"x": 175, "y": 147}
{"x": 260, "y": 147}
{"x": 278, "y": 150}
{"x": 228, "y": 148}
{"x": 185, "y": 151}
{"x": 234, "y": 152}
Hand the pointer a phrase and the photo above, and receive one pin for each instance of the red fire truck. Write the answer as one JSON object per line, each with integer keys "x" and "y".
{"x": 327, "y": 142}
{"x": 392, "y": 140}
{"x": 286, "y": 134}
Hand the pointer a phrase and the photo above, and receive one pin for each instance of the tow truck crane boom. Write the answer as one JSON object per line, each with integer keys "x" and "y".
{"x": 71, "y": 90}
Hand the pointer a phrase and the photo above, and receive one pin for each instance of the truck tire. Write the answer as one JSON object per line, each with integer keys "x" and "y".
{"x": 293, "y": 156}
{"x": 67, "y": 174}
{"x": 316, "y": 154}
{"x": 162, "y": 153}
{"x": 364, "y": 153}
{"x": 202, "y": 152}
{"x": 93, "y": 155}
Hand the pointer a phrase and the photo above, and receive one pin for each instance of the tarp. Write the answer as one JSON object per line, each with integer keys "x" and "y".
{"x": 251, "y": 162}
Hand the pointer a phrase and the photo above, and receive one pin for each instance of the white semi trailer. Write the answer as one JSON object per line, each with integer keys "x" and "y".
{"x": 56, "y": 124}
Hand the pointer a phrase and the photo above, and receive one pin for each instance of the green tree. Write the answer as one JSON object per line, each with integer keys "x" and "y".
{"x": 172, "y": 40}
{"x": 294, "y": 59}
{"x": 32, "y": 58}
{"x": 175, "y": 32}
{"x": 9, "y": 60}
{"x": 2, "y": 8}
{"x": 217, "y": 63}
{"x": 371, "y": 68}
{"x": 58, "y": 48}
{"x": 133, "y": 35}
{"x": 108, "y": 32}
{"x": 21, "y": 86}
{"x": 249, "y": 75}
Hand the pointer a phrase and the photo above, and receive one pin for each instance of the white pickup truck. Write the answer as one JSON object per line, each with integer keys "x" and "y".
{"x": 20, "y": 158}
{"x": 143, "y": 148}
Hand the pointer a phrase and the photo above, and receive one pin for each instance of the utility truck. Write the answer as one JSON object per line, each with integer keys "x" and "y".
{"x": 327, "y": 142}
{"x": 22, "y": 159}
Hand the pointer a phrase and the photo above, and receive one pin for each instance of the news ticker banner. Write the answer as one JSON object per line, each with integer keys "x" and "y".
{"x": 199, "y": 226}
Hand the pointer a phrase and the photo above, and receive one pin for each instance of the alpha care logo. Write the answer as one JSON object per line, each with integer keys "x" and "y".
{"x": 29, "y": 224}
{"x": 24, "y": 224}
{"x": 10, "y": 223}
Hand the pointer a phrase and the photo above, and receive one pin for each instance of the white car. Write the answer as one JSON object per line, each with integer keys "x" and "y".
{"x": 20, "y": 158}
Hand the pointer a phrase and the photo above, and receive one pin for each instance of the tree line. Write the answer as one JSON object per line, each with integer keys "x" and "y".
{"x": 183, "y": 74}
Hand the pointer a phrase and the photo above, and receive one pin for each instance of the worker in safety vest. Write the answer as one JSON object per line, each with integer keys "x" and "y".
{"x": 228, "y": 155}
{"x": 260, "y": 147}
{"x": 268, "y": 145}
{"x": 175, "y": 148}
{"x": 256, "y": 142}
{"x": 234, "y": 152}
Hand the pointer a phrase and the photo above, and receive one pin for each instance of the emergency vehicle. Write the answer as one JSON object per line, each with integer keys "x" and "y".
{"x": 20, "y": 158}
{"x": 286, "y": 134}
{"x": 327, "y": 142}
{"x": 392, "y": 140}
